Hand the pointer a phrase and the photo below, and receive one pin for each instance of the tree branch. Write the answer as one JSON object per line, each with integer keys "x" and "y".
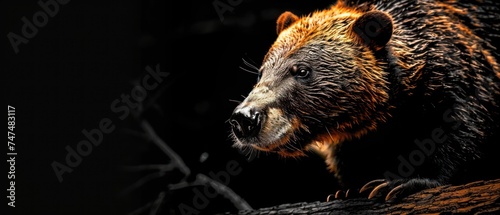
{"x": 225, "y": 191}
{"x": 176, "y": 159}
{"x": 480, "y": 197}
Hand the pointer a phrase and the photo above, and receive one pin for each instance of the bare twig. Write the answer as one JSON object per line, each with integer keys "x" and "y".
{"x": 175, "y": 162}
{"x": 228, "y": 193}
{"x": 141, "y": 209}
{"x": 222, "y": 189}
{"x": 159, "y": 167}
{"x": 157, "y": 204}
{"x": 175, "y": 158}
{"x": 143, "y": 181}
{"x": 225, "y": 191}
{"x": 134, "y": 133}
{"x": 183, "y": 184}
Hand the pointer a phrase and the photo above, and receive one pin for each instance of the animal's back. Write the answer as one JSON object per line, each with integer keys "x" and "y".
{"x": 447, "y": 126}
{"x": 406, "y": 91}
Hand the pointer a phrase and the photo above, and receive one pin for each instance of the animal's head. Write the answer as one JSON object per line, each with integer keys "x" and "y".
{"x": 320, "y": 82}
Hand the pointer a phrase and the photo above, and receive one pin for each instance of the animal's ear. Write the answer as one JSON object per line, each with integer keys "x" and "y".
{"x": 373, "y": 29}
{"x": 284, "y": 20}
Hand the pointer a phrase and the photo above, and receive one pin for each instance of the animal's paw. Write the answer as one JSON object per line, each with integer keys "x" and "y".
{"x": 393, "y": 190}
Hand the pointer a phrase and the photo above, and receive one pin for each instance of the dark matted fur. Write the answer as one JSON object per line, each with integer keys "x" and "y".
{"x": 417, "y": 104}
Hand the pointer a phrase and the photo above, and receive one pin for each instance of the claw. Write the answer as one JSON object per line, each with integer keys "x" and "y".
{"x": 347, "y": 193}
{"x": 377, "y": 189}
{"x": 394, "y": 192}
{"x": 328, "y": 197}
{"x": 370, "y": 185}
{"x": 334, "y": 196}
{"x": 338, "y": 193}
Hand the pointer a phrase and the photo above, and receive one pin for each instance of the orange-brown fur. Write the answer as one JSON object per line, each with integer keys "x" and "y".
{"x": 423, "y": 65}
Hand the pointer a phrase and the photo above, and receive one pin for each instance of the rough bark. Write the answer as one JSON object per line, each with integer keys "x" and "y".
{"x": 480, "y": 197}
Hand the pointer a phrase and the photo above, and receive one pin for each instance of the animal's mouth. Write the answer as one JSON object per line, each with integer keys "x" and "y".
{"x": 268, "y": 130}
{"x": 284, "y": 150}
{"x": 271, "y": 130}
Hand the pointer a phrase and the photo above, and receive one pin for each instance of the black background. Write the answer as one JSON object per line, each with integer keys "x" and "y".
{"x": 91, "y": 52}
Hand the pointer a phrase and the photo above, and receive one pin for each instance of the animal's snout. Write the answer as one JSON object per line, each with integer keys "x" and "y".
{"x": 246, "y": 122}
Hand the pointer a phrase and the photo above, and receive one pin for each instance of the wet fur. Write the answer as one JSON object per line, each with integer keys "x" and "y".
{"x": 365, "y": 107}
{"x": 444, "y": 75}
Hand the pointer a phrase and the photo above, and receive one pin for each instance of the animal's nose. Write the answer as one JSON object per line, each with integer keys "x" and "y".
{"x": 246, "y": 122}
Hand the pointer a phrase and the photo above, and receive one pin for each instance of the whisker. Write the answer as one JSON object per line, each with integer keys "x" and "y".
{"x": 310, "y": 117}
{"x": 329, "y": 134}
{"x": 234, "y": 100}
{"x": 292, "y": 147}
{"x": 250, "y": 154}
{"x": 249, "y": 64}
{"x": 249, "y": 71}
{"x": 326, "y": 128}
{"x": 249, "y": 151}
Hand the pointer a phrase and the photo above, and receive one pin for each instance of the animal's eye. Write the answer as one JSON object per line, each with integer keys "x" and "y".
{"x": 299, "y": 71}
{"x": 303, "y": 73}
